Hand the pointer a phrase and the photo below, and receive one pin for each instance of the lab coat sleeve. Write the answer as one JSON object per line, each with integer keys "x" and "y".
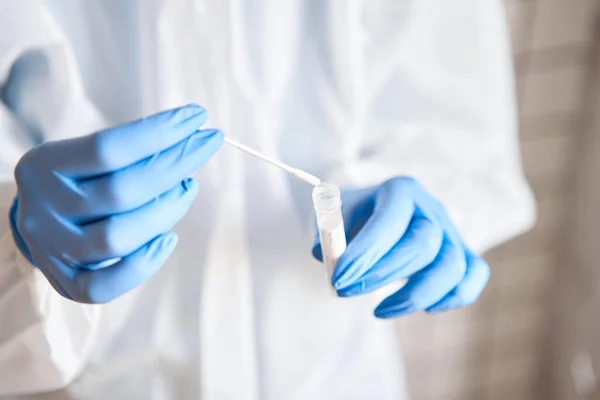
{"x": 45, "y": 339}
{"x": 442, "y": 110}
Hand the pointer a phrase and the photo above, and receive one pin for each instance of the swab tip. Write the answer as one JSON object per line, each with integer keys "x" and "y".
{"x": 306, "y": 177}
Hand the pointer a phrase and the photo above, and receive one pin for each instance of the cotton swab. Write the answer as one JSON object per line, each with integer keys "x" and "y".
{"x": 298, "y": 173}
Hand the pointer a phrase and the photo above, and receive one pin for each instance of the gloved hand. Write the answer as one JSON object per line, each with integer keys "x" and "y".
{"x": 94, "y": 213}
{"x": 397, "y": 231}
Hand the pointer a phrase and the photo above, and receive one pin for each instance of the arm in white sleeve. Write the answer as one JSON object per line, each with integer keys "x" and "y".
{"x": 44, "y": 339}
{"x": 442, "y": 109}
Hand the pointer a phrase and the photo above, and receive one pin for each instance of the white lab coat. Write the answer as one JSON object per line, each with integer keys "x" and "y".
{"x": 353, "y": 91}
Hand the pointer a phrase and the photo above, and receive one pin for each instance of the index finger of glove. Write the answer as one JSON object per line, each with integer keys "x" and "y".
{"x": 116, "y": 148}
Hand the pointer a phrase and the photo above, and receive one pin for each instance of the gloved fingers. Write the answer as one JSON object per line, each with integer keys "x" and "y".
{"x": 121, "y": 234}
{"x": 134, "y": 186}
{"x": 116, "y": 148}
{"x": 416, "y": 249}
{"x": 428, "y": 286}
{"x": 49, "y": 266}
{"x": 433, "y": 209}
{"x": 357, "y": 207}
{"x": 55, "y": 283}
{"x": 106, "y": 284}
{"x": 467, "y": 291}
{"x": 391, "y": 214}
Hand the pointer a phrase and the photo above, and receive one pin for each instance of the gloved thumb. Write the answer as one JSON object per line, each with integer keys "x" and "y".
{"x": 316, "y": 250}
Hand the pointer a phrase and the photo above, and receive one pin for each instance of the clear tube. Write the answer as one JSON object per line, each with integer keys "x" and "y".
{"x": 328, "y": 206}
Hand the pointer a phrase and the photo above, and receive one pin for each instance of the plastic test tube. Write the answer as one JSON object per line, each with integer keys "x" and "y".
{"x": 328, "y": 206}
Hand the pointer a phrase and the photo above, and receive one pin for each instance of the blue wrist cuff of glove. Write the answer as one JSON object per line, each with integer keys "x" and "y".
{"x": 15, "y": 232}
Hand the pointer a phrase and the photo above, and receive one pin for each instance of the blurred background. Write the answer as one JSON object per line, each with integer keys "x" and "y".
{"x": 535, "y": 332}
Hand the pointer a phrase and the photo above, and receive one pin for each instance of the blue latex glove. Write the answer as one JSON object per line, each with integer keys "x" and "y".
{"x": 94, "y": 213}
{"x": 397, "y": 231}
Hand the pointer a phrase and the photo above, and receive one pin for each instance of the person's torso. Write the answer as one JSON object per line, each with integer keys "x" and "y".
{"x": 241, "y": 310}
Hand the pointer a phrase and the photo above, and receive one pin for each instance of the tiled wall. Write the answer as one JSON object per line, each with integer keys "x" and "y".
{"x": 492, "y": 350}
